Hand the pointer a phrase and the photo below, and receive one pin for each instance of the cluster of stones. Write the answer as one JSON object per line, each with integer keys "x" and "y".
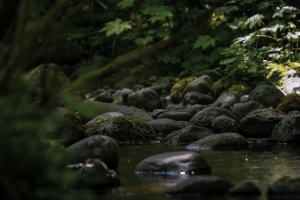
{"x": 188, "y": 115}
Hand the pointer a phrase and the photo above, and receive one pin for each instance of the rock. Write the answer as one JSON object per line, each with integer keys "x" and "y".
{"x": 285, "y": 186}
{"x": 177, "y": 89}
{"x": 120, "y": 96}
{"x": 124, "y": 129}
{"x": 260, "y": 123}
{"x": 97, "y": 147}
{"x": 224, "y": 124}
{"x": 244, "y": 98}
{"x": 94, "y": 174}
{"x": 226, "y": 100}
{"x": 67, "y": 127}
{"x": 161, "y": 84}
{"x": 205, "y": 117}
{"x": 197, "y": 107}
{"x": 240, "y": 110}
{"x": 290, "y": 102}
{"x": 220, "y": 141}
{"x": 102, "y": 116}
{"x": 246, "y": 187}
{"x": 187, "y": 135}
{"x": 194, "y": 97}
{"x": 200, "y": 185}
{"x": 202, "y": 84}
{"x": 127, "y": 82}
{"x": 173, "y": 164}
{"x": 164, "y": 126}
{"x": 291, "y": 82}
{"x": 288, "y": 130}
{"x": 266, "y": 95}
{"x": 104, "y": 97}
{"x": 178, "y": 115}
{"x": 146, "y": 99}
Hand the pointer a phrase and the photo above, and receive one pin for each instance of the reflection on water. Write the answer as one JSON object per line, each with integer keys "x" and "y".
{"x": 262, "y": 165}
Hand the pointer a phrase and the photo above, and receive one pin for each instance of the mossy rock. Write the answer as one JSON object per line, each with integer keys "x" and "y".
{"x": 213, "y": 74}
{"x": 290, "y": 102}
{"x": 124, "y": 129}
{"x": 239, "y": 90}
{"x": 178, "y": 87}
{"x": 278, "y": 71}
{"x": 220, "y": 86}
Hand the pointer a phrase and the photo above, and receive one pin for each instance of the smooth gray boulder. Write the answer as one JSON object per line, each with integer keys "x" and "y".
{"x": 226, "y": 100}
{"x": 241, "y": 110}
{"x": 287, "y": 186}
{"x": 202, "y": 84}
{"x": 164, "y": 126}
{"x": 224, "y": 124}
{"x": 266, "y": 95}
{"x": 194, "y": 97}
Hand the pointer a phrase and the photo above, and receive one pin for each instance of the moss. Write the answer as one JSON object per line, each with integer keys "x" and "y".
{"x": 221, "y": 86}
{"x": 124, "y": 129}
{"x": 213, "y": 74}
{"x": 178, "y": 87}
{"x": 239, "y": 89}
{"x": 290, "y": 102}
{"x": 278, "y": 71}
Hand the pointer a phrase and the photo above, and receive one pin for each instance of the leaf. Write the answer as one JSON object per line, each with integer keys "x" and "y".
{"x": 292, "y": 36}
{"x": 228, "y": 61}
{"x": 157, "y": 13}
{"x": 144, "y": 40}
{"x": 252, "y": 69}
{"x": 245, "y": 38}
{"x": 204, "y": 41}
{"x": 254, "y": 20}
{"x": 115, "y": 27}
{"x": 272, "y": 29}
{"x": 285, "y": 9}
{"x": 125, "y": 4}
{"x": 130, "y": 36}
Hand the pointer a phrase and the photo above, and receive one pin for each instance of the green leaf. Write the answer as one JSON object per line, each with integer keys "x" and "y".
{"x": 157, "y": 13}
{"x": 125, "y": 4}
{"x": 130, "y": 36}
{"x": 228, "y": 61}
{"x": 115, "y": 27}
{"x": 254, "y": 20}
{"x": 252, "y": 69}
{"x": 204, "y": 41}
{"x": 144, "y": 40}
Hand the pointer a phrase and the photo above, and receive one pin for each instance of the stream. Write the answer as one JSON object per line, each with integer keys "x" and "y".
{"x": 262, "y": 164}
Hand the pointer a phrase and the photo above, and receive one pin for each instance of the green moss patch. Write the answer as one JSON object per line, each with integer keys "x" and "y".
{"x": 278, "y": 71}
{"x": 290, "y": 102}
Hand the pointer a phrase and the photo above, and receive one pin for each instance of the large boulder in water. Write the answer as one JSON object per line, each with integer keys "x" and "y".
{"x": 266, "y": 95}
{"x": 173, "y": 164}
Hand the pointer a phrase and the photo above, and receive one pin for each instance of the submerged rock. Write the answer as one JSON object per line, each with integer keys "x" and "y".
{"x": 173, "y": 164}
{"x": 200, "y": 185}
{"x": 246, "y": 187}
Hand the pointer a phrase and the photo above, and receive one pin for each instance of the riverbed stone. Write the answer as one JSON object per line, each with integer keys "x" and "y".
{"x": 224, "y": 124}
{"x": 200, "y": 185}
{"x": 164, "y": 126}
{"x": 287, "y": 186}
{"x": 226, "y": 100}
{"x": 187, "y": 135}
{"x": 241, "y": 110}
{"x": 266, "y": 95}
{"x": 97, "y": 147}
{"x": 163, "y": 84}
{"x": 290, "y": 102}
{"x": 246, "y": 187}
{"x": 146, "y": 99}
{"x": 260, "y": 123}
{"x": 202, "y": 84}
{"x": 177, "y": 89}
{"x": 124, "y": 129}
{"x": 205, "y": 117}
{"x": 178, "y": 115}
{"x": 194, "y": 97}
{"x": 94, "y": 174}
{"x": 220, "y": 141}
{"x": 173, "y": 164}
{"x": 102, "y": 116}
{"x": 288, "y": 130}
{"x": 104, "y": 97}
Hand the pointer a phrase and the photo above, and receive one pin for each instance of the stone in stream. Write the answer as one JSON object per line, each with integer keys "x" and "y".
{"x": 226, "y": 100}
{"x": 97, "y": 147}
{"x": 173, "y": 164}
{"x": 200, "y": 185}
{"x": 241, "y": 110}
{"x": 224, "y": 124}
{"x": 178, "y": 115}
{"x": 164, "y": 126}
{"x": 285, "y": 186}
{"x": 246, "y": 187}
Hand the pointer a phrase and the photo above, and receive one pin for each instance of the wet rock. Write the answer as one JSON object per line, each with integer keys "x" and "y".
{"x": 226, "y": 100}
{"x": 200, "y": 185}
{"x": 291, "y": 82}
{"x": 266, "y": 95}
{"x": 261, "y": 122}
{"x": 244, "y": 98}
{"x": 124, "y": 129}
{"x": 285, "y": 186}
{"x": 173, "y": 164}
{"x": 197, "y": 107}
{"x": 187, "y": 135}
{"x": 177, "y": 89}
{"x": 172, "y": 106}
{"x": 104, "y": 97}
{"x": 240, "y": 110}
{"x": 146, "y": 99}
{"x": 288, "y": 130}
{"x": 121, "y": 95}
{"x": 164, "y": 83}
{"x": 94, "y": 174}
{"x": 220, "y": 141}
{"x": 97, "y": 147}
{"x": 178, "y": 115}
{"x": 164, "y": 126}
{"x": 224, "y": 124}
{"x": 246, "y": 187}
{"x": 194, "y": 97}
{"x": 202, "y": 84}
{"x": 68, "y": 127}
{"x": 102, "y": 116}
{"x": 205, "y": 117}
{"x": 290, "y": 102}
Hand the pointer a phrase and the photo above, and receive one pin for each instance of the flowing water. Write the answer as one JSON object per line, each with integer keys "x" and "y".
{"x": 261, "y": 164}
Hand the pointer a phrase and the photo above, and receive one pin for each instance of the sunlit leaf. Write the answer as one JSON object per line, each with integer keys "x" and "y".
{"x": 272, "y": 29}
{"x": 254, "y": 20}
{"x": 115, "y": 27}
{"x": 245, "y": 38}
{"x": 285, "y": 9}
